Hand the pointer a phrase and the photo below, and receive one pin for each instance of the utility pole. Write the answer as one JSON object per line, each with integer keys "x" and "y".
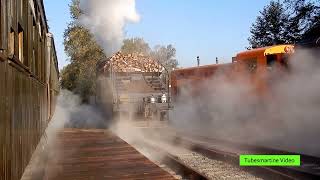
{"x": 198, "y": 60}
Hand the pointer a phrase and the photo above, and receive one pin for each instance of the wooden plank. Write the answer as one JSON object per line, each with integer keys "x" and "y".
{"x": 99, "y": 154}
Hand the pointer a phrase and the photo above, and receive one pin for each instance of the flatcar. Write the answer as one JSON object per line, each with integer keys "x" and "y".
{"x": 29, "y": 82}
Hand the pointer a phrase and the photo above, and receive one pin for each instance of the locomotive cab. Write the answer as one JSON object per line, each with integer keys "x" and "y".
{"x": 266, "y": 65}
{"x": 277, "y": 61}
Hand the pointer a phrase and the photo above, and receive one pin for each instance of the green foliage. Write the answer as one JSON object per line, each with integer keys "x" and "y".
{"x": 74, "y": 9}
{"x": 79, "y": 76}
{"x": 269, "y": 26}
{"x": 84, "y": 53}
{"x": 135, "y": 45}
{"x": 165, "y": 55}
{"x": 303, "y": 14}
{"x": 284, "y": 23}
{"x": 69, "y": 76}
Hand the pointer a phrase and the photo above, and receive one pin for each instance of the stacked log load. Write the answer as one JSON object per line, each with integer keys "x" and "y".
{"x": 135, "y": 62}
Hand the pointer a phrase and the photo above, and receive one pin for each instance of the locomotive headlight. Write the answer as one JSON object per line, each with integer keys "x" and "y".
{"x": 164, "y": 98}
{"x": 289, "y": 49}
{"x": 153, "y": 100}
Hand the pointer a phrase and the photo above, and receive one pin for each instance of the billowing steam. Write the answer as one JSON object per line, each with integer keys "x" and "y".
{"x": 287, "y": 117}
{"x": 69, "y": 113}
{"x": 106, "y": 20}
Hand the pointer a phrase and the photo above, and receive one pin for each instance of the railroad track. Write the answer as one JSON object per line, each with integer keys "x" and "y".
{"x": 230, "y": 152}
{"x": 182, "y": 169}
{"x": 187, "y": 163}
{"x": 170, "y": 160}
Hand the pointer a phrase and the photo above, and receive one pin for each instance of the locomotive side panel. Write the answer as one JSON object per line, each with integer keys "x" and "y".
{"x": 253, "y": 67}
{"x": 193, "y": 79}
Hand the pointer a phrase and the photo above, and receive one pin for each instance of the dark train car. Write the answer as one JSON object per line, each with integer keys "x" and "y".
{"x": 29, "y": 82}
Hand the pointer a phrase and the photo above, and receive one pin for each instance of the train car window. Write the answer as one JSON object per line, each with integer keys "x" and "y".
{"x": 43, "y": 60}
{"x": 39, "y": 61}
{"x": 21, "y": 44}
{"x": 234, "y": 59}
{"x": 11, "y": 42}
{"x": 34, "y": 30}
{"x": 271, "y": 60}
{"x": 33, "y": 60}
{"x": 21, "y": 9}
{"x": 12, "y": 19}
{"x": 284, "y": 61}
{"x": 11, "y": 9}
{"x": 3, "y": 24}
{"x": 29, "y": 39}
{"x": 34, "y": 46}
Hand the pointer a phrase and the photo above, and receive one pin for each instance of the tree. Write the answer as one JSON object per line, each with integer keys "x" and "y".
{"x": 80, "y": 75}
{"x": 69, "y": 76}
{"x": 135, "y": 45}
{"x": 269, "y": 26}
{"x": 303, "y": 14}
{"x": 166, "y": 55}
{"x": 287, "y": 23}
{"x": 83, "y": 52}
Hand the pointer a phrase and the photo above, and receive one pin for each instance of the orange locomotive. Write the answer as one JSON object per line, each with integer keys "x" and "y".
{"x": 257, "y": 65}
{"x": 193, "y": 77}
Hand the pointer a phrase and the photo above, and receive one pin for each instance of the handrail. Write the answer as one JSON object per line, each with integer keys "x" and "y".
{"x": 168, "y": 81}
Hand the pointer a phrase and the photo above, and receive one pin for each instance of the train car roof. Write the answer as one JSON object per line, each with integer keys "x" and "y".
{"x": 277, "y": 49}
{"x": 202, "y": 67}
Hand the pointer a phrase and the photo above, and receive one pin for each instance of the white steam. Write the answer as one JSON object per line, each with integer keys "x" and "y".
{"x": 106, "y": 20}
{"x": 69, "y": 113}
{"x": 286, "y": 118}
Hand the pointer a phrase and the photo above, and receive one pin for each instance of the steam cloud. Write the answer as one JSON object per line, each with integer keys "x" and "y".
{"x": 106, "y": 20}
{"x": 69, "y": 113}
{"x": 287, "y": 119}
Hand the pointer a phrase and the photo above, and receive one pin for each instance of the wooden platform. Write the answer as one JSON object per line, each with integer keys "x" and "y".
{"x": 97, "y": 155}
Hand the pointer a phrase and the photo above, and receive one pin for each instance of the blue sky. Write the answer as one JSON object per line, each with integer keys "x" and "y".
{"x": 206, "y": 28}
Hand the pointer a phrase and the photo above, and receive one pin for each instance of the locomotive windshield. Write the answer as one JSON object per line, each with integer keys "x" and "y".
{"x": 284, "y": 61}
{"x": 271, "y": 60}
